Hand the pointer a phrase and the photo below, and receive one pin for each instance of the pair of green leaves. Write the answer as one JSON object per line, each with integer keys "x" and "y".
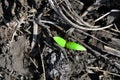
{"x": 70, "y": 45}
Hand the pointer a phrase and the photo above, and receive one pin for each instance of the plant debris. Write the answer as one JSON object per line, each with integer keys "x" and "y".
{"x": 28, "y": 50}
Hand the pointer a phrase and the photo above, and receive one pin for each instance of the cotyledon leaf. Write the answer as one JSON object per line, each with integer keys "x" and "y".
{"x": 70, "y": 45}
{"x": 75, "y": 46}
{"x": 60, "y": 41}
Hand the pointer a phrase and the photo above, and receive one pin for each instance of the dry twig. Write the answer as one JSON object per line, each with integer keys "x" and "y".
{"x": 80, "y": 24}
{"x": 105, "y": 72}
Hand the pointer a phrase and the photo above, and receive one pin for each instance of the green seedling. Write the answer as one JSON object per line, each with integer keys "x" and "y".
{"x": 75, "y": 46}
{"x": 70, "y": 45}
{"x": 60, "y": 41}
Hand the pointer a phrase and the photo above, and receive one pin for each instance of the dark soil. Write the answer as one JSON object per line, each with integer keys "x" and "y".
{"x": 28, "y": 51}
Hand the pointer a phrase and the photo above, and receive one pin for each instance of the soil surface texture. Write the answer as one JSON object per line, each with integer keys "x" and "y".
{"x": 29, "y": 51}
